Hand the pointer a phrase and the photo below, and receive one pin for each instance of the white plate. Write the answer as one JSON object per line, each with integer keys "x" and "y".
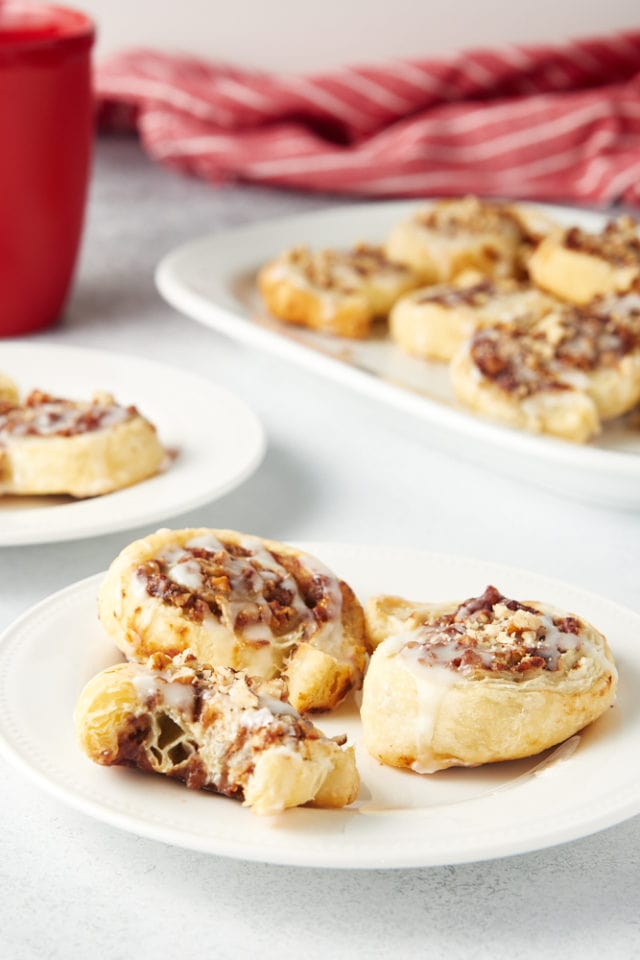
{"x": 213, "y": 280}
{"x": 177, "y": 402}
{"x": 400, "y": 818}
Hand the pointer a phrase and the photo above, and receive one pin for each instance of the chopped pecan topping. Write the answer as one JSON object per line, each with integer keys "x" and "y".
{"x": 241, "y": 715}
{"x": 159, "y": 585}
{"x": 472, "y": 215}
{"x": 229, "y": 581}
{"x": 342, "y": 271}
{"x": 524, "y": 360}
{"x": 44, "y": 415}
{"x": 619, "y": 242}
{"x": 495, "y": 634}
{"x": 475, "y": 295}
{"x": 514, "y": 360}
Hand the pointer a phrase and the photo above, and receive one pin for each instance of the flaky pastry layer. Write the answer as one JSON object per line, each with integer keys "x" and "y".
{"x": 339, "y": 292}
{"x": 562, "y": 375}
{"x": 50, "y": 445}
{"x": 434, "y": 322}
{"x": 238, "y": 601}
{"x": 488, "y": 679}
{"x": 450, "y": 237}
{"x": 214, "y": 729}
{"x": 579, "y": 266}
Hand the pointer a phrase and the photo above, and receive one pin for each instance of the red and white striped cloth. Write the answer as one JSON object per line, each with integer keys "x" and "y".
{"x": 543, "y": 122}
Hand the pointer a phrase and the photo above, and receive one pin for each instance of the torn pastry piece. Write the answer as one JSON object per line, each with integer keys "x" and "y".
{"x": 449, "y": 237}
{"x": 8, "y": 389}
{"x": 333, "y": 291}
{"x": 433, "y": 322}
{"x": 562, "y": 376}
{"x": 461, "y": 684}
{"x": 238, "y": 601}
{"x": 579, "y": 266}
{"x": 53, "y": 446}
{"x": 215, "y": 729}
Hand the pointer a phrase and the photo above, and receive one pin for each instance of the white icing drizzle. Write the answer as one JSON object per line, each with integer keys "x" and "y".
{"x": 429, "y": 654}
{"x": 431, "y": 696}
{"x": 432, "y": 684}
{"x": 436, "y": 645}
{"x": 277, "y": 706}
{"x": 179, "y": 696}
{"x": 146, "y": 686}
{"x": 187, "y": 573}
{"x": 625, "y": 306}
{"x": 254, "y": 719}
{"x": 257, "y": 632}
{"x": 206, "y": 541}
{"x": 249, "y": 577}
{"x": 555, "y": 642}
{"x": 175, "y": 696}
{"x": 221, "y": 745}
{"x": 54, "y": 417}
{"x": 334, "y": 275}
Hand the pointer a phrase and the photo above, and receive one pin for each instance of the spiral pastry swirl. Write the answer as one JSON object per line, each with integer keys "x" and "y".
{"x": 238, "y": 601}
{"x": 214, "y": 729}
{"x": 50, "y": 445}
{"x": 487, "y": 679}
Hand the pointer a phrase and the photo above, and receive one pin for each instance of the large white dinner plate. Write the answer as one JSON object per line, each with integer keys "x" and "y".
{"x": 400, "y": 818}
{"x": 212, "y": 280}
{"x": 215, "y": 441}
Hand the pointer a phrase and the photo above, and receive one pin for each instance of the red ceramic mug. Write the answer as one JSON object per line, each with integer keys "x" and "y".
{"x": 46, "y": 132}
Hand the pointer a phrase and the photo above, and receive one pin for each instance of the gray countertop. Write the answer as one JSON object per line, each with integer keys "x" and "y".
{"x": 339, "y": 467}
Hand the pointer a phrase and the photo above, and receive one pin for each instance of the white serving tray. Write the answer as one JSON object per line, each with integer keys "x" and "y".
{"x": 212, "y": 280}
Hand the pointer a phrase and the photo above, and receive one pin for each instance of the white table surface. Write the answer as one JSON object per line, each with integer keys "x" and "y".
{"x": 338, "y": 467}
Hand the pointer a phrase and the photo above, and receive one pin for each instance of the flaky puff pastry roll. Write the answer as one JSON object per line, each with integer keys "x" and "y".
{"x": 450, "y": 237}
{"x": 238, "y": 601}
{"x": 462, "y": 684}
{"x": 433, "y": 322}
{"x": 50, "y": 445}
{"x": 579, "y": 266}
{"x": 562, "y": 375}
{"x": 216, "y": 730}
{"x": 339, "y": 292}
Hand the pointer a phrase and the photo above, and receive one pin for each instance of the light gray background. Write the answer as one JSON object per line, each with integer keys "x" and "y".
{"x": 287, "y": 35}
{"x": 339, "y": 467}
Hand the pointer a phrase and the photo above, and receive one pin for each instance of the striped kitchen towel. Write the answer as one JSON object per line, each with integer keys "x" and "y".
{"x": 545, "y": 122}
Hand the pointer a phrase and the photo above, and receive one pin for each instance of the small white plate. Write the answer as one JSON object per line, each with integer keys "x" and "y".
{"x": 212, "y": 280}
{"x": 207, "y": 460}
{"x": 400, "y": 818}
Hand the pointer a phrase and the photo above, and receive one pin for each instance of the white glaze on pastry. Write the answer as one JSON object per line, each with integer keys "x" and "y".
{"x": 483, "y": 680}
{"x": 242, "y": 602}
{"x": 561, "y": 375}
{"x": 216, "y": 730}
{"x": 50, "y": 445}
{"x": 579, "y": 266}
{"x": 449, "y": 237}
{"x": 434, "y": 322}
{"x": 334, "y": 291}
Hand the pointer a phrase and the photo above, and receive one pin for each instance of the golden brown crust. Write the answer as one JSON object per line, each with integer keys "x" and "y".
{"x": 434, "y": 322}
{"x": 8, "y": 389}
{"x": 484, "y": 680}
{"x": 450, "y": 237}
{"x": 579, "y": 266}
{"x": 561, "y": 375}
{"x": 56, "y": 446}
{"x": 336, "y": 292}
{"x": 242, "y": 602}
{"x": 213, "y": 729}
